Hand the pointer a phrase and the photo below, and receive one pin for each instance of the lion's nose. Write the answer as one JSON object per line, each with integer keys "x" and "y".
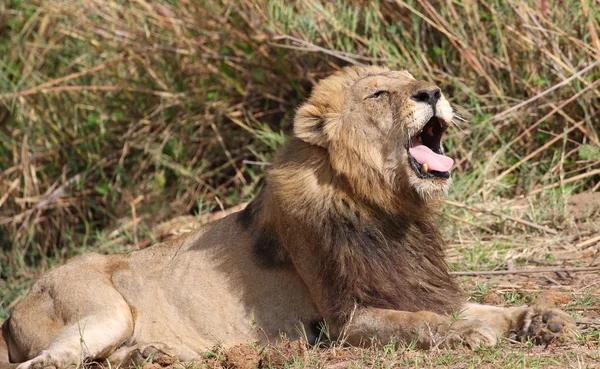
{"x": 429, "y": 96}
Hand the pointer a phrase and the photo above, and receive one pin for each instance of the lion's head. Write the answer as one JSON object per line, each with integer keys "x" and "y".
{"x": 385, "y": 121}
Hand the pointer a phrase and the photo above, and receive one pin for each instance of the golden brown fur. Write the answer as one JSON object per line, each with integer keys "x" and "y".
{"x": 342, "y": 232}
{"x": 351, "y": 247}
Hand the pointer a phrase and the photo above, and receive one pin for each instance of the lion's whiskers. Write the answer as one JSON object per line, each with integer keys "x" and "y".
{"x": 457, "y": 125}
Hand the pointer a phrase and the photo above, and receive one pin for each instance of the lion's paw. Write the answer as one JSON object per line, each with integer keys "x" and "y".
{"x": 545, "y": 324}
{"x": 46, "y": 360}
{"x": 470, "y": 333}
{"x": 151, "y": 354}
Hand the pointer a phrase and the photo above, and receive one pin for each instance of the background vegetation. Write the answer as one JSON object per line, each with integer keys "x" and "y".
{"x": 116, "y": 116}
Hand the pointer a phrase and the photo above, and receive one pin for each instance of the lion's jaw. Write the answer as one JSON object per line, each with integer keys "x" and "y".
{"x": 374, "y": 118}
{"x": 423, "y": 162}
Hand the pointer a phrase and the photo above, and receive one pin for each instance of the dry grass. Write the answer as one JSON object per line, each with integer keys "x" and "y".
{"x": 299, "y": 355}
{"x": 118, "y": 115}
{"x": 107, "y": 101}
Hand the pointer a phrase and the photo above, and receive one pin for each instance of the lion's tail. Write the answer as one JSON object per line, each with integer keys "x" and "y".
{"x": 4, "y": 356}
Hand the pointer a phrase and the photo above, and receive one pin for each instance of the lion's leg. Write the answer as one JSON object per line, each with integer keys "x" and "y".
{"x": 94, "y": 336}
{"x": 72, "y": 314}
{"x": 498, "y": 319}
{"x": 541, "y": 321}
{"x": 424, "y": 328}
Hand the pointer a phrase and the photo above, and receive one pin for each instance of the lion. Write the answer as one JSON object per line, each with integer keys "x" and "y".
{"x": 342, "y": 235}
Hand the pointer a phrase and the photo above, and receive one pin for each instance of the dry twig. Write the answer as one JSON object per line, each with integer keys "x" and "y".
{"x": 503, "y": 216}
{"x": 527, "y": 271}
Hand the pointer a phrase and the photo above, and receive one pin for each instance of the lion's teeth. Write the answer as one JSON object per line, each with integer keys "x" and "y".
{"x": 420, "y": 139}
{"x": 425, "y": 168}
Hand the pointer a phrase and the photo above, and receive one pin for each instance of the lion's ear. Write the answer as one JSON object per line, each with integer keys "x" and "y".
{"x": 309, "y": 125}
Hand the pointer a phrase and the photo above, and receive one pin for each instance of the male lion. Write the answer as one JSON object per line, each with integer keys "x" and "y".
{"x": 342, "y": 234}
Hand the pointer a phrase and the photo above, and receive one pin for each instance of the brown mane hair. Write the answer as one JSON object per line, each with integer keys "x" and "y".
{"x": 353, "y": 237}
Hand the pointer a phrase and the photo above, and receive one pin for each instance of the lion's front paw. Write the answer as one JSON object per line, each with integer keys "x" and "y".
{"x": 545, "y": 324}
{"x": 470, "y": 333}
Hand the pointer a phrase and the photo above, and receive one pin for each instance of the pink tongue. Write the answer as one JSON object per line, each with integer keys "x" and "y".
{"x": 423, "y": 154}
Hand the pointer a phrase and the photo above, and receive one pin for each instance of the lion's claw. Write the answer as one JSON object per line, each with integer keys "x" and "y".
{"x": 544, "y": 324}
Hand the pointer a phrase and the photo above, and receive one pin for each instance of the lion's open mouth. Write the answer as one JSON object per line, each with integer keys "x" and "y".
{"x": 425, "y": 151}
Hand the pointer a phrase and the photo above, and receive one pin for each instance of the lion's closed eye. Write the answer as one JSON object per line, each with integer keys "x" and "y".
{"x": 377, "y": 94}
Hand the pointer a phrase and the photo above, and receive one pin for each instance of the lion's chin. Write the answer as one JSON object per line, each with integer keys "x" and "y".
{"x": 430, "y": 189}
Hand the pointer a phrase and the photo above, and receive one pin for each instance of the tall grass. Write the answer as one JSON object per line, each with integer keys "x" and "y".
{"x": 153, "y": 109}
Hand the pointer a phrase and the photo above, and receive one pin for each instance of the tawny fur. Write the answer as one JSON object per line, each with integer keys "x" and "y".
{"x": 342, "y": 234}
